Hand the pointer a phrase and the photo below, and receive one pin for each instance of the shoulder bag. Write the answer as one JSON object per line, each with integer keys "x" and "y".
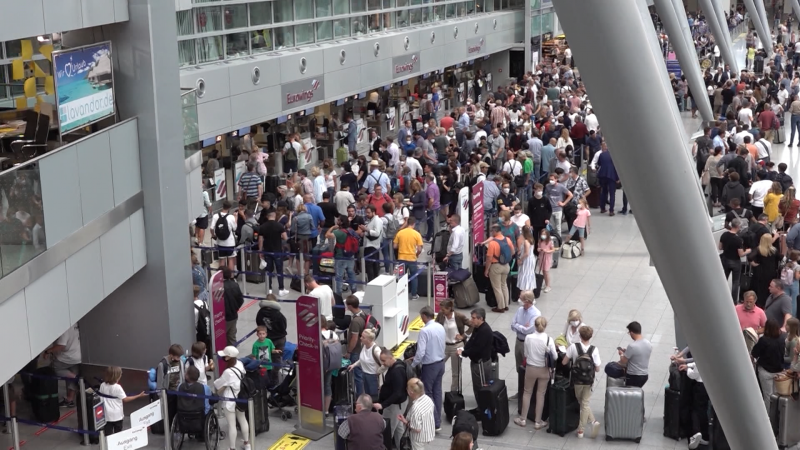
{"x": 405, "y": 440}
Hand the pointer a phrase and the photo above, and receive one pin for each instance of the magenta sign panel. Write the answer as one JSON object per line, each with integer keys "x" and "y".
{"x": 478, "y": 233}
{"x": 309, "y": 353}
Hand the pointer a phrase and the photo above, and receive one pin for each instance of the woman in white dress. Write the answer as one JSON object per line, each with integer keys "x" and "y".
{"x": 526, "y": 277}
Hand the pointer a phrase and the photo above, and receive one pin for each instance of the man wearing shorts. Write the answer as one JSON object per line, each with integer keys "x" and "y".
{"x": 226, "y": 243}
{"x": 66, "y": 356}
{"x": 201, "y": 224}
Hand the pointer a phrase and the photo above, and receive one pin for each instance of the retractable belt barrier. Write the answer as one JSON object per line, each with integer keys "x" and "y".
{"x": 50, "y": 426}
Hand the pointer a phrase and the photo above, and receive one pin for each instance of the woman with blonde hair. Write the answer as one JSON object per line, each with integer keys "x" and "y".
{"x": 540, "y": 356}
{"x": 771, "y": 202}
{"x": 574, "y": 323}
{"x": 564, "y": 140}
{"x": 764, "y": 261}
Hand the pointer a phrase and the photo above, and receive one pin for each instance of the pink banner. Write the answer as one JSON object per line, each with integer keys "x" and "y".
{"x": 478, "y": 234}
{"x": 217, "y": 290}
{"x": 309, "y": 354}
{"x": 439, "y": 289}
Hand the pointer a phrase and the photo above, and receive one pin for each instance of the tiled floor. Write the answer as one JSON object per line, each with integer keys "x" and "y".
{"x": 611, "y": 285}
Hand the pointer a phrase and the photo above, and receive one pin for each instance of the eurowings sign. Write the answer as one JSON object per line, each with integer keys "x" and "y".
{"x": 302, "y": 92}
{"x": 405, "y": 65}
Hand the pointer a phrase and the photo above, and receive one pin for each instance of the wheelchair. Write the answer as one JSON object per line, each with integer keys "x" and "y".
{"x": 202, "y": 426}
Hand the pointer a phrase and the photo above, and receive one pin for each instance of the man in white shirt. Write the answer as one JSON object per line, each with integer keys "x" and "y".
{"x": 591, "y": 121}
{"x": 373, "y": 236}
{"x": 66, "y": 356}
{"x": 746, "y": 115}
{"x": 343, "y": 199}
{"x": 764, "y": 148}
{"x": 738, "y": 138}
{"x": 512, "y": 166}
{"x": 412, "y": 162}
{"x": 323, "y": 292}
{"x": 783, "y": 95}
{"x": 223, "y": 227}
{"x": 394, "y": 151}
{"x": 758, "y": 191}
{"x": 455, "y": 246}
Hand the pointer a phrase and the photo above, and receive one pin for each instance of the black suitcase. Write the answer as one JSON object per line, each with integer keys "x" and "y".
{"x": 44, "y": 395}
{"x": 672, "y": 414}
{"x": 340, "y": 415}
{"x": 454, "y": 400}
{"x": 271, "y": 184}
{"x": 481, "y": 281}
{"x": 343, "y": 388}
{"x": 493, "y": 406}
{"x": 261, "y": 411}
{"x": 674, "y": 377}
{"x": 253, "y": 274}
{"x": 565, "y": 411}
{"x": 716, "y": 436}
{"x": 91, "y": 400}
{"x": 295, "y": 284}
{"x": 537, "y": 291}
{"x": 158, "y": 427}
{"x": 466, "y": 422}
{"x": 439, "y": 245}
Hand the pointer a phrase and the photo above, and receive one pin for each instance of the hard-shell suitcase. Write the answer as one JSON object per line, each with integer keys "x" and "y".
{"x": 672, "y": 414}
{"x": 44, "y": 392}
{"x": 261, "y": 411}
{"x": 493, "y": 406}
{"x": 465, "y": 294}
{"x": 343, "y": 388}
{"x": 253, "y": 272}
{"x": 491, "y": 299}
{"x": 780, "y": 135}
{"x": 481, "y": 280}
{"x": 92, "y": 400}
{"x": 716, "y": 436}
{"x": 784, "y": 414}
{"x": 565, "y": 411}
{"x": 340, "y": 415}
{"x": 454, "y": 400}
{"x": 624, "y": 413}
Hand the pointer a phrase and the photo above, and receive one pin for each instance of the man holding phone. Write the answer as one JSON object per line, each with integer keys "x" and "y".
{"x": 636, "y": 357}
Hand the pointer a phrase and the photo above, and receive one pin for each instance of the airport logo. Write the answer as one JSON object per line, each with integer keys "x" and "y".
{"x": 302, "y": 92}
{"x": 405, "y": 65}
{"x": 475, "y": 45}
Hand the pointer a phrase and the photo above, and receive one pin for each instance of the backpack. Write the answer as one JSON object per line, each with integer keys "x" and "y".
{"x": 504, "y": 257}
{"x": 371, "y": 323}
{"x": 350, "y": 246}
{"x": 190, "y": 361}
{"x": 519, "y": 180}
{"x": 162, "y": 374}
{"x": 465, "y": 421}
{"x": 203, "y": 325}
{"x": 787, "y": 276}
{"x": 222, "y": 230}
{"x": 247, "y": 390}
{"x": 745, "y": 224}
{"x": 331, "y": 355}
{"x": 410, "y": 371}
{"x": 391, "y": 226}
{"x": 583, "y": 368}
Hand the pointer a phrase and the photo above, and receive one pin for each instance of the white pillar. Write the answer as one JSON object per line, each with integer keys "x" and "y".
{"x": 691, "y": 273}
{"x": 761, "y": 29}
{"x": 719, "y": 35}
{"x": 795, "y": 8}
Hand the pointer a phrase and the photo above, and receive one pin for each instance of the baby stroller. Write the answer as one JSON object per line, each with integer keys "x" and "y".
{"x": 284, "y": 394}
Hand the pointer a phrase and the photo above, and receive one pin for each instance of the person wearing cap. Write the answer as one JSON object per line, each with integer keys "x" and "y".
{"x": 375, "y": 177}
{"x": 228, "y": 385}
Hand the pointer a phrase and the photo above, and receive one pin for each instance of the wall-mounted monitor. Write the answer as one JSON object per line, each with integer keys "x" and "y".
{"x": 209, "y": 142}
{"x": 84, "y": 84}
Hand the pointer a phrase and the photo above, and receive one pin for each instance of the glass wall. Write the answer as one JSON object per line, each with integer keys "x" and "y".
{"x": 236, "y": 30}
{"x": 22, "y": 235}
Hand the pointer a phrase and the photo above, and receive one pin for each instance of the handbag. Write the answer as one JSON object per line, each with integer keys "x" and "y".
{"x": 405, "y": 440}
{"x": 746, "y": 279}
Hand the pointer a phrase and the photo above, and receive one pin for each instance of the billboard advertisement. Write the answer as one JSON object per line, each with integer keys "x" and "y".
{"x": 84, "y": 85}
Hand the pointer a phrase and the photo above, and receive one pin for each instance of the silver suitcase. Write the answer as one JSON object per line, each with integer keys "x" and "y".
{"x": 614, "y": 382}
{"x": 624, "y": 413}
{"x": 784, "y": 414}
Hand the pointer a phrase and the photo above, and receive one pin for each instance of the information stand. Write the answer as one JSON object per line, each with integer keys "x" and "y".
{"x": 388, "y": 297}
{"x": 311, "y": 423}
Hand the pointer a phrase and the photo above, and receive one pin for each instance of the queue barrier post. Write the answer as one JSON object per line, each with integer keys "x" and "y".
{"x": 162, "y": 394}
{"x": 15, "y": 432}
{"x": 430, "y": 282}
{"x": 103, "y": 443}
{"x": 84, "y": 416}
{"x": 302, "y": 282}
{"x": 6, "y": 406}
{"x": 242, "y": 260}
{"x": 361, "y": 254}
{"x": 251, "y": 419}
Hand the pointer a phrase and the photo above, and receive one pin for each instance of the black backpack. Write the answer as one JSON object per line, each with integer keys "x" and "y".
{"x": 221, "y": 230}
{"x": 583, "y": 367}
{"x": 203, "y": 323}
{"x": 247, "y": 390}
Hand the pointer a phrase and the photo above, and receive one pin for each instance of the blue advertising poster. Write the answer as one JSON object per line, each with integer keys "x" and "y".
{"x": 84, "y": 85}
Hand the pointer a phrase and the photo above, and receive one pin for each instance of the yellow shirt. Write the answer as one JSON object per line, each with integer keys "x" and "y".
{"x": 751, "y": 53}
{"x": 771, "y": 206}
{"x": 407, "y": 241}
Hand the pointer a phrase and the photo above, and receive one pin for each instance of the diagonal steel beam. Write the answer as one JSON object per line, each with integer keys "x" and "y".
{"x": 720, "y": 34}
{"x": 761, "y": 29}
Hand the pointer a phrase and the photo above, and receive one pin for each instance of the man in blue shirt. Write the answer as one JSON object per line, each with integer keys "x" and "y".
{"x": 490, "y": 193}
{"x": 317, "y": 216}
{"x": 535, "y": 147}
{"x": 376, "y": 177}
{"x": 522, "y": 324}
{"x": 430, "y": 356}
{"x": 463, "y": 119}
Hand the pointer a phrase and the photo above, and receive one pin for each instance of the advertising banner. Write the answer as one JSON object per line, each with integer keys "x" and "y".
{"x": 309, "y": 360}
{"x": 84, "y": 85}
{"x": 238, "y": 170}
{"x": 439, "y": 289}
{"x": 401, "y": 303}
{"x": 221, "y": 186}
{"x": 217, "y": 290}
{"x": 405, "y": 65}
{"x": 391, "y": 117}
{"x": 478, "y": 234}
{"x": 300, "y": 93}
{"x": 463, "y": 212}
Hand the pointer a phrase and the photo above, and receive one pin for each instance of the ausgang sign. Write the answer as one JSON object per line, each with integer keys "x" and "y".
{"x": 302, "y": 92}
{"x": 475, "y": 46}
{"x": 405, "y": 65}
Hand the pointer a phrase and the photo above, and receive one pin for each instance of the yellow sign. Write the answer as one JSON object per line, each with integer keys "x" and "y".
{"x": 290, "y": 442}
{"x": 416, "y": 324}
{"x": 398, "y": 352}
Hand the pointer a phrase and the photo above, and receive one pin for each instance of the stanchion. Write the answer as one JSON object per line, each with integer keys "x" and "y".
{"x": 363, "y": 267}
{"x": 251, "y": 419}
{"x": 15, "y": 433}
{"x": 6, "y": 406}
{"x": 104, "y": 444}
{"x": 162, "y": 394}
{"x": 430, "y": 282}
{"x": 243, "y": 282}
{"x": 302, "y": 281}
{"x": 84, "y": 416}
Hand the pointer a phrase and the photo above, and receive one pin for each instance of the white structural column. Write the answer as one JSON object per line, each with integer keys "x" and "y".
{"x": 528, "y": 37}
{"x": 722, "y": 22}
{"x": 687, "y": 54}
{"x": 762, "y": 13}
{"x": 796, "y": 8}
{"x": 691, "y": 273}
{"x": 720, "y": 34}
{"x": 763, "y": 32}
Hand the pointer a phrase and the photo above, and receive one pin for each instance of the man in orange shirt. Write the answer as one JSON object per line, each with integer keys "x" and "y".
{"x": 498, "y": 259}
{"x": 748, "y": 143}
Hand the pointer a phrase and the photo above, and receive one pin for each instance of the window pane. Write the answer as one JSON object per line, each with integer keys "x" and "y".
{"x": 402, "y": 3}
{"x": 488, "y": 5}
{"x": 358, "y": 25}
{"x": 324, "y": 8}
{"x": 402, "y": 18}
{"x": 341, "y": 27}
{"x": 341, "y": 7}
{"x": 375, "y": 23}
{"x": 209, "y": 19}
{"x": 261, "y": 41}
{"x": 427, "y": 14}
{"x": 461, "y": 9}
{"x": 416, "y": 16}
{"x": 284, "y": 37}
{"x": 186, "y": 56}
{"x": 13, "y": 49}
{"x": 184, "y": 20}
{"x": 282, "y": 9}
{"x": 209, "y": 49}
{"x": 236, "y": 45}
{"x": 3, "y": 80}
{"x": 451, "y": 10}
{"x": 235, "y": 16}
{"x": 388, "y": 4}
{"x": 303, "y": 9}
{"x": 388, "y": 21}
{"x": 438, "y": 13}
{"x": 498, "y": 5}
{"x": 470, "y": 7}
{"x": 372, "y": 5}
{"x": 261, "y": 13}
{"x": 358, "y": 6}
{"x": 304, "y": 34}
{"x": 324, "y": 31}
{"x": 416, "y": 2}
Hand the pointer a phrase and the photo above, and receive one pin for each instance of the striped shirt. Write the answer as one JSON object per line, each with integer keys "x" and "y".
{"x": 249, "y": 183}
{"x": 420, "y": 417}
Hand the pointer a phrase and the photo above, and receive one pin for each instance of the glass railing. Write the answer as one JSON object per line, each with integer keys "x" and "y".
{"x": 191, "y": 127}
{"x": 21, "y": 217}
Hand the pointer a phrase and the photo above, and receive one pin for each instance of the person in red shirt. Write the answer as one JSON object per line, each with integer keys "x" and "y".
{"x": 447, "y": 122}
{"x": 378, "y": 198}
{"x": 766, "y": 119}
{"x": 578, "y": 134}
{"x": 750, "y": 315}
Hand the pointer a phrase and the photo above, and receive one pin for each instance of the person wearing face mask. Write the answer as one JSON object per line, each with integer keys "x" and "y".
{"x": 518, "y": 218}
{"x": 559, "y": 196}
{"x": 407, "y": 144}
{"x": 539, "y": 210}
{"x": 506, "y": 200}
{"x": 581, "y": 223}
{"x": 573, "y": 326}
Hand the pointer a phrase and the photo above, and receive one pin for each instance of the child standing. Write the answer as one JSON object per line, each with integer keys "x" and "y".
{"x": 581, "y": 223}
{"x": 200, "y": 360}
{"x": 263, "y": 346}
{"x": 113, "y": 399}
{"x": 545, "y": 257}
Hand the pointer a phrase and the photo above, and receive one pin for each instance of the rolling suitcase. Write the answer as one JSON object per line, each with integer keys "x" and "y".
{"x": 481, "y": 281}
{"x": 624, "y": 413}
{"x": 615, "y": 382}
{"x": 465, "y": 294}
{"x": 493, "y": 406}
{"x": 672, "y": 414}
{"x": 454, "y": 400}
{"x": 716, "y": 436}
{"x": 261, "y": 411}
{"x": 513, "y": 290}
{"x": 532, "y": 408}
{"x": 565, "y": 411}
{"x": 439, "y": 245}
{"x": 253, "y": 272}
{"x": 91, "y": 400}
{"x": 491, "y": 300}
{"x": 780, "y": 135}
{"x": 44, "y": 393}
{"x": 343, "y": 389}
{"x": 784, "y": 415}
{"x": 340, "y": 415}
